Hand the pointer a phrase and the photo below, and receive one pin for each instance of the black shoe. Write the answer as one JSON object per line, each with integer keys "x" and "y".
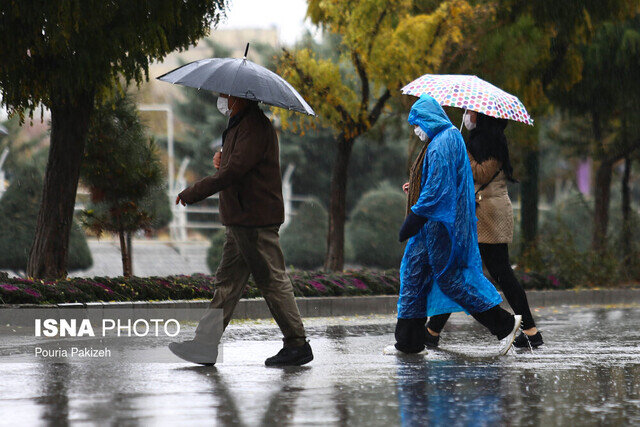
{"x": 524, "y": 341}
{"x": 431, "y": 341}
{"x": 291, "y": 356}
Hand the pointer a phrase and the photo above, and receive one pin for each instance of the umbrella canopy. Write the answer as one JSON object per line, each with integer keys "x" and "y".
{"x": 3, "y": 130}
{"x": 240, "y": 78}
{"x": 470, "y": 93}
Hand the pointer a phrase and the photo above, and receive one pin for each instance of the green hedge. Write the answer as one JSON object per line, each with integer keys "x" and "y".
{"x": 304, "y": 242}
{"x": 373, "y": 228}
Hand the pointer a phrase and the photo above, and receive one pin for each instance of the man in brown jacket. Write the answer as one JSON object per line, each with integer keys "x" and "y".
{"x": 252, "y": 209}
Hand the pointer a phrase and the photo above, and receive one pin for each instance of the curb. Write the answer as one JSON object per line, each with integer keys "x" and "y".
{"x": 361, "y": 305}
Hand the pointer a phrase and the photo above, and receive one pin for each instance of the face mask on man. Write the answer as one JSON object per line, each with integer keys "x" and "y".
{"x": 467, "y": 121}
{"x": 223, "y": 106}
{"x": 420, "y": 133}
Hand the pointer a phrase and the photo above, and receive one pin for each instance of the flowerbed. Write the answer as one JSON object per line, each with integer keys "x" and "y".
{"x": 200, "y": 286}
{"x": 305, "y": 283}
{"x": 534, "y": 280}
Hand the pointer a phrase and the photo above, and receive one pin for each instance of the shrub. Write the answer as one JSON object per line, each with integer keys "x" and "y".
{"x": 373, "y": 228}
{"x": 214, "y": 254}
{"x": 564, "y": 251}
{"x": 304, "y": 241}
{"x": 19, "y": 212}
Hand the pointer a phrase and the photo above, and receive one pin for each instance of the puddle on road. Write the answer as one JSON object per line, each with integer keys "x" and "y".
{"x": 588, "y": 373}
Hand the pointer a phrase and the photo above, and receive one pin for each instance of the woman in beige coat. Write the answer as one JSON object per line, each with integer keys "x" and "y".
{"x": 489, "y": 157}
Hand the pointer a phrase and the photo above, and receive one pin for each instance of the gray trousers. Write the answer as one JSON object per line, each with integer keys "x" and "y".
{"x": 252, "y": 251}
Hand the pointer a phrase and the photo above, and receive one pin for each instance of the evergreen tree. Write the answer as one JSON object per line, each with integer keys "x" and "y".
{"x": 123, "y": 171}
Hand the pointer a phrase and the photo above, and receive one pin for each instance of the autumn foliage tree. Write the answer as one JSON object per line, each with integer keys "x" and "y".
{"x": 63, "y": 55}
{"x": 383, "y": 45}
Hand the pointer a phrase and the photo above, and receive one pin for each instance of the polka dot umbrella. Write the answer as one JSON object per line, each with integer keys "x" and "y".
{"x": 470, "y": 93}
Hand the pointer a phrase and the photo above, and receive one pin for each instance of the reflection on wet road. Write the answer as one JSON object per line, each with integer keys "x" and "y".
{"x": 587, "y": 374}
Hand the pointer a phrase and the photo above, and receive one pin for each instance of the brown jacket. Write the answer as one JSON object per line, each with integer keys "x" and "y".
{"x": 249, "y": 179}
{"x": 494, "y": 210}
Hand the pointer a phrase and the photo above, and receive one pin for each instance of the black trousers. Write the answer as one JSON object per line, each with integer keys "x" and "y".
{"x": 496, "y": 258}
{"x": 410, "y": 333}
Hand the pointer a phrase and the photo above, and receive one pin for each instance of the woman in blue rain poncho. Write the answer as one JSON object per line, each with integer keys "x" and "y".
{"x": 441, "y": 271}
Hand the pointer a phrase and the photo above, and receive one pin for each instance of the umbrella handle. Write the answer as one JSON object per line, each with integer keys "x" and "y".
{"x": 246, "y": 50}
{"x": 465, "y": 112}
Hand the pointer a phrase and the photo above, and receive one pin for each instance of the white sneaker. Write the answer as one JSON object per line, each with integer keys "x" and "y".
{"x": 391, "y": 350}
{"x": 195, "y": 352}
{"x": 506, "y": 342}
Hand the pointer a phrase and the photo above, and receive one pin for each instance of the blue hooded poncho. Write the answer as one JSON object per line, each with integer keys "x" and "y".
{"x": 441, "y": 270}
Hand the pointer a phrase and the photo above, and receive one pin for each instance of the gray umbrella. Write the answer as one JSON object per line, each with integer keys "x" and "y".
{"x": 240, "y": 78}
{"x": 3, "y": 130}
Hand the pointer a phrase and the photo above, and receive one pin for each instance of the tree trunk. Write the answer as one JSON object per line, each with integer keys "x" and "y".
{"x": 529, "y": 200}
{"x": 334, "y": 260}
{"x": 626, "y": 213}
{"x": 602, "y": 196}
{"x": 69, "y": 126}
{"x": 125, "y": 251}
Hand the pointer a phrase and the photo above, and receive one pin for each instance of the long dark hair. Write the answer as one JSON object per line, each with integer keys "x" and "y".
{"x": 487, "y": 140}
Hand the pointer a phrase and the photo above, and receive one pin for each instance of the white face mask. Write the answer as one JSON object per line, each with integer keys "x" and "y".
{"x": 223, "y": 106}
{"x": 420, "y": 133}
{"x": 467, "y": 121}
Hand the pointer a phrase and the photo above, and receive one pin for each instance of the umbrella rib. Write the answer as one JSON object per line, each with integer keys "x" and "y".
{"x": 235, "y": 76}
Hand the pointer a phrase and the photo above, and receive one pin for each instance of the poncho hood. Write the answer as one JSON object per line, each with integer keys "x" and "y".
{"x": 429, "y": 115}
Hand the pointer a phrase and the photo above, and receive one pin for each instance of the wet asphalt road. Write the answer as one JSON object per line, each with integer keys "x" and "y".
{"x": 588, "y": 373}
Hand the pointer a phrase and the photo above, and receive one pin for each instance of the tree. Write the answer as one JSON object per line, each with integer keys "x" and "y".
{"x": 65, "y": 55}
{"x": 375, "y": 159}
{"x": 19, "y": 213}
{"x": 385, "y": 46}
{"x": 559, "y": 66}
{"x": 607, "y": 94}
{"x": 123, "y": 171}
{"x": 506, "y": 51}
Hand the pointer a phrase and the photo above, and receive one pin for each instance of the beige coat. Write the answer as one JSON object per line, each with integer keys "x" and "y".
{"x": 494, "y": 210}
